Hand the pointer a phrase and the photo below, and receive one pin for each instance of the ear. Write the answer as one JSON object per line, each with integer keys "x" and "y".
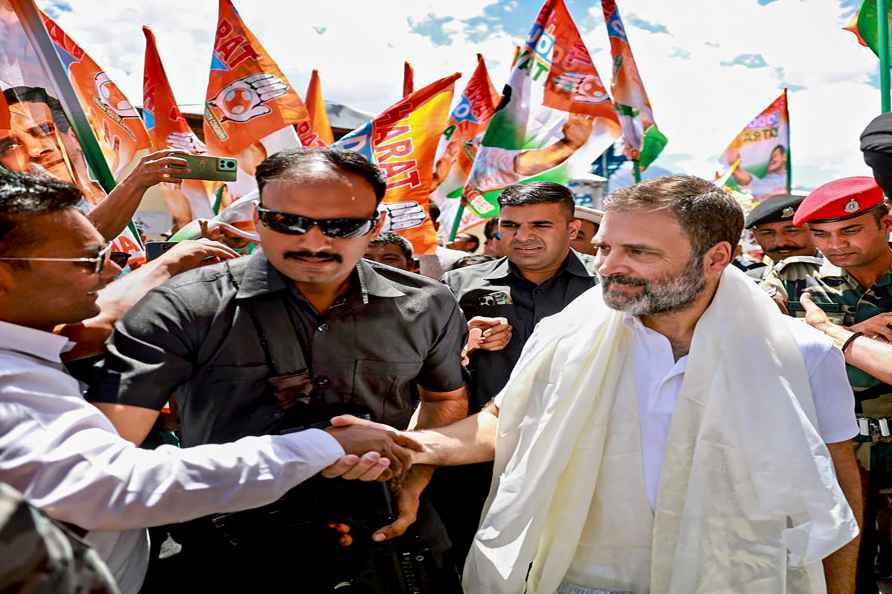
{"x": 886, "y": 224}
{"x": 717, "y": 258}
{"x": 573, "y": 228}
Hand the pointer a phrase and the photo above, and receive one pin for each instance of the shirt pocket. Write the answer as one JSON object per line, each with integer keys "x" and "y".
{"x": 387, "y": 389}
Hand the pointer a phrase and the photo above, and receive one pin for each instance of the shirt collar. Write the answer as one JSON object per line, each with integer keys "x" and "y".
{"x": 262, "y": 278}
{"x": 572, "y": 264}
{"x": 31, "y": 341}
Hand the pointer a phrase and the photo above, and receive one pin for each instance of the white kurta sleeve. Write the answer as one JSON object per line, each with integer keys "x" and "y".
{"x": 78, "y": 469}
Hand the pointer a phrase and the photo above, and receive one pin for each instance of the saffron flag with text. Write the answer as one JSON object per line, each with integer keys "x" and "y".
{"x": 251, "y": 110}
{"x": 402, "y": 141}
{"x": 763, "y": 149}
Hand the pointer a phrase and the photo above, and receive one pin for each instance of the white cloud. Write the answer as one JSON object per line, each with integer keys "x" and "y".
{"x": 699, "y": 103}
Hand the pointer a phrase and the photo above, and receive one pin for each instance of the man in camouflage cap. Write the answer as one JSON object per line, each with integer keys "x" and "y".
{"x": 794, "y": 257}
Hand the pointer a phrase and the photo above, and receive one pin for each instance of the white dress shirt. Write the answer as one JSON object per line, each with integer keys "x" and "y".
{"x": 659, "y": 378}
{"x": 67, "y": 458}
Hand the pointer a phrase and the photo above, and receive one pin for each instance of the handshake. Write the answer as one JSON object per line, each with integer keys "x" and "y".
{"x": 374, "y": 451}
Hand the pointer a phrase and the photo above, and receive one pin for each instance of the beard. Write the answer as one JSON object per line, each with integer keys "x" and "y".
{"x": 666, "y": 294}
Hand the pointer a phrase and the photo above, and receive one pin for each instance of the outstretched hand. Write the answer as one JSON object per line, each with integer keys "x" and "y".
{"x": 374, "y": 451}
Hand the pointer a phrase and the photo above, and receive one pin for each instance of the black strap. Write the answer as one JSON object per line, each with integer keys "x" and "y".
{"x": 283, "y": 356}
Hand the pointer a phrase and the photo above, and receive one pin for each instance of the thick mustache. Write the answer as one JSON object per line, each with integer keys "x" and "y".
{"x": 317, "y": 255}
{"x": 623, "y": 280}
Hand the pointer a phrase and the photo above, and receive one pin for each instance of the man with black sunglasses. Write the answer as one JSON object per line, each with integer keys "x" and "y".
{"x": 259, "y": 344}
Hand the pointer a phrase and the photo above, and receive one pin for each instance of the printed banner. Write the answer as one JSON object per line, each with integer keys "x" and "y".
{"x": 251, "y": 110}
{"x": 555, "y": 116}
{"x": 115, "y": 122}
{"x": 458, "y": 148}
{"x": 643, "y": 140}
{"x": 763, "y": 148}
{"x": 167, "y": 128}
{"x": 402, "y": 141}
{"x": 35, "y": 134}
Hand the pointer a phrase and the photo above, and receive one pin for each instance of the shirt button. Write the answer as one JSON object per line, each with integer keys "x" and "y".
{"x": 323, "y": 328}
{"x": 321, "y": 381}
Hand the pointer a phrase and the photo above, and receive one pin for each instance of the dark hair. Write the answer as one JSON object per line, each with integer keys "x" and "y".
{"x": 538, "y": 193}
{"x": 435, "y": 212}
{"x": 471, "y": 260}
{"x": 491, "y": 228}
{"x": 289, "y": 163}
{"x": 23, "y": 94}
{"x": 388, "y": 238}
{"x": 782, "y": 148}
{"x": 708, "y": 214}
{"x": 24, "y": 195}
{"x": 468, "y": 237}
{"x": 880, "y": 211}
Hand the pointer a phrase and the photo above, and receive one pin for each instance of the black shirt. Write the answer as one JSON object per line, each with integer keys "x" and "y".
{"x": 498, "y": 289}
{"x": 195, "y": 338}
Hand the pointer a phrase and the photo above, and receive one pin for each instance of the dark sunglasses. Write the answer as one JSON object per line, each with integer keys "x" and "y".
{"x": 292, "y": 224}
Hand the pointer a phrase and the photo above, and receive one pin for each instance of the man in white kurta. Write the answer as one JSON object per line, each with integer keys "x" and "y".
{"x": 669, "y": 431}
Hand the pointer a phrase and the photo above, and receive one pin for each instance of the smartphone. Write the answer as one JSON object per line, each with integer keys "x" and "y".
{"x": 156, "y": 248}
{"x": 209, "y": 168}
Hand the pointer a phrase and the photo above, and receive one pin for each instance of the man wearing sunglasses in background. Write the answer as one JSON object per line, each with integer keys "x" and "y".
{"x": 248, "y": 346}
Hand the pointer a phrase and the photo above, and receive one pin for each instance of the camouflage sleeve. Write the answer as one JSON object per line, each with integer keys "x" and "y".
{"x": 772, "y": 284}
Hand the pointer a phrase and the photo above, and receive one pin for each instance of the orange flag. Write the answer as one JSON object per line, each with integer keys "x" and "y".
{"x": 316, "y": 107}
{"x": 115, "y": 122}
{"x": 408, "y": 79}
{"x": 248, "y": 97}
{"x": 168, "y": 128}
{"x": 402, "y": 141}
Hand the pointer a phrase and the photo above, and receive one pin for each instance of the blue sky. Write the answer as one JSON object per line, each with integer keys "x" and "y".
{"x": 708, "y": 66}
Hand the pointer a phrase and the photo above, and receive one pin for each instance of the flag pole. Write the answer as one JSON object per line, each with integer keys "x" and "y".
{"x": 883, "y": 30}
{"x": 604, "y": 170}
{"x": 33, "y": 25}
{"x": 636, "y": 170}
{"x": 457, "y": 221}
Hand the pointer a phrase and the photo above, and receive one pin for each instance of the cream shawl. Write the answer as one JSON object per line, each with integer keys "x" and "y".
{"x": 747, "y": 493}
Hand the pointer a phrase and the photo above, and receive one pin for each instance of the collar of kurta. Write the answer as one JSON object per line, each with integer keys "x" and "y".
{"x": 504, "y": 268}
{"x": 262, "y": 278}
{"x": 31, "y": 341}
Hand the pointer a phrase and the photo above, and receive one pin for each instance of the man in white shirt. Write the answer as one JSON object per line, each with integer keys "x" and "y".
{"x": 64, "y": 455}
{"x": 663, "y": 248}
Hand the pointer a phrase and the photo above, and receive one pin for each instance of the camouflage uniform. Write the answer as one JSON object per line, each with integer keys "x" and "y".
{"x": 789, "y": 276}
{"x": 41, "y": 556}
{"x": 847, "y": 303}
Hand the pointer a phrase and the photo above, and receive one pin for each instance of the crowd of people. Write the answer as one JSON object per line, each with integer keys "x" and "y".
{"x": 585, "y": 401}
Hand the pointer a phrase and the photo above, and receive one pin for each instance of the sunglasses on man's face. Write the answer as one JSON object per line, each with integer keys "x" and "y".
{"x": 292, "y": 224}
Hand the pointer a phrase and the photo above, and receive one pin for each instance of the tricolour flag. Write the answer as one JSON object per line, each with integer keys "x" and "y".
{"x": 251, "y": 110}
{"x": 763, "y": 149}
{"x": 115, "y": 122}
{"x": 643, "y": 140}
{"x": 555, "y": 117}
{"x": 168, "y": 128}
{"x": 402, "y": 141}
{"x": 865, "y": 25}
{"x": 316, "y": 109}
{"x": 458, "y": 148}
{"x": 38, "y": 69}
